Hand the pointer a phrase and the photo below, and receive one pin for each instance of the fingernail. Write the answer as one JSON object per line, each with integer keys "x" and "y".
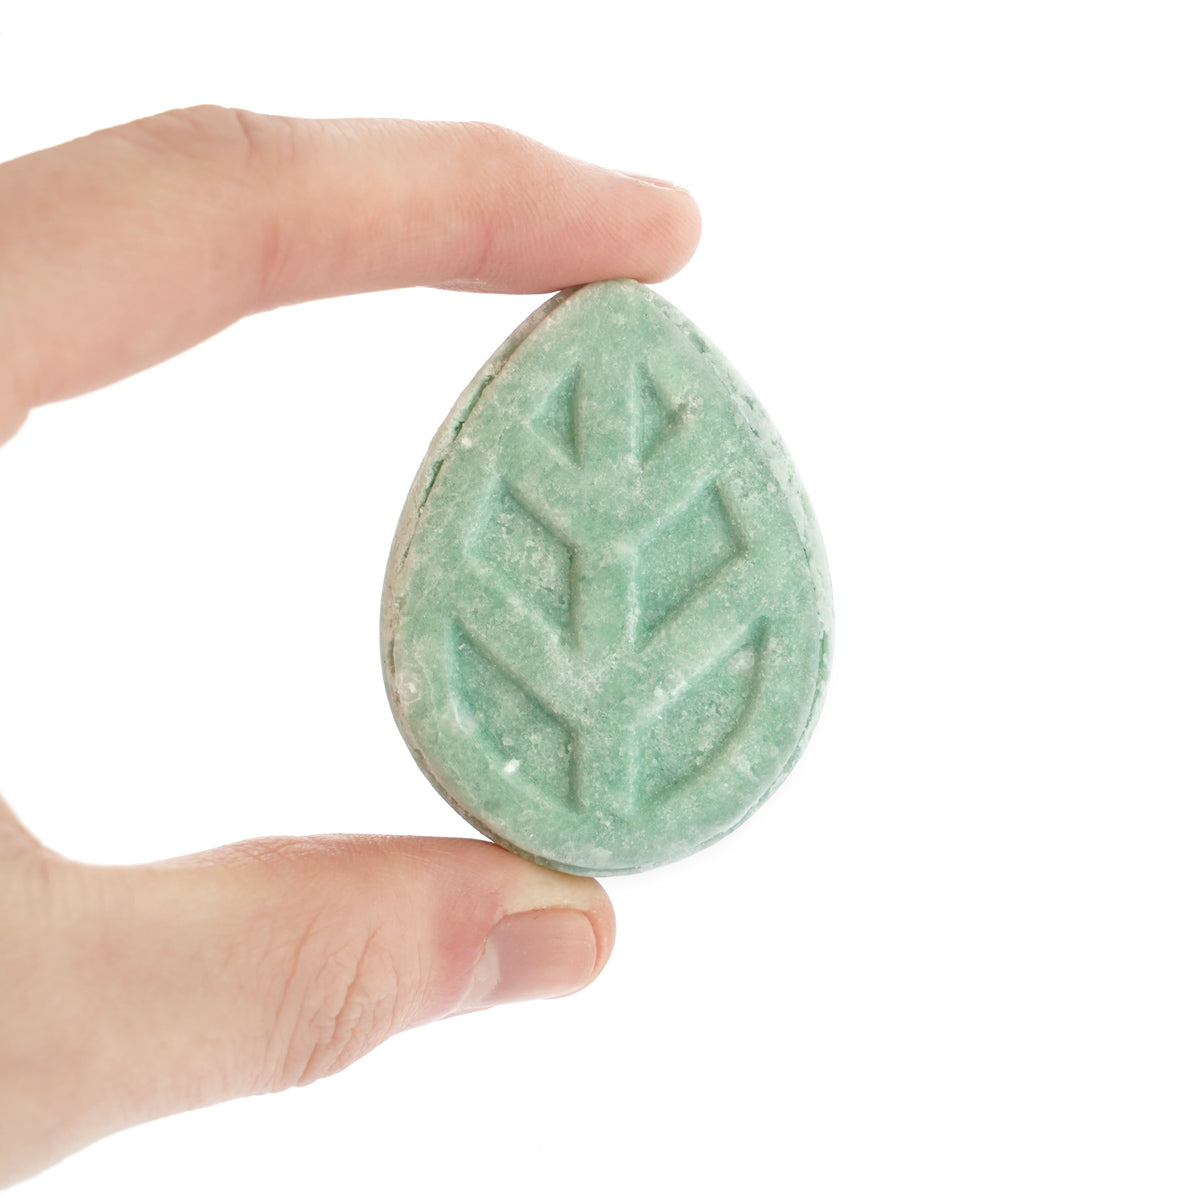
{"x": 532, "y": 956}
{"x": 650, "y": 179}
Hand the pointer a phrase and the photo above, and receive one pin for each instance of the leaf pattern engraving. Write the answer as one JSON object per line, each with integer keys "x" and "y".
{"x": 606, "y": 620}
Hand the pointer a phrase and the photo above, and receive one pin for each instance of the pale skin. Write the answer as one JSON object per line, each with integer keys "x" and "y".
{"x": 129, "y": 993}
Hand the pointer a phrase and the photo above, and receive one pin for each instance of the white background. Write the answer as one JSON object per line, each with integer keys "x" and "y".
{"x": 954, "y": 248}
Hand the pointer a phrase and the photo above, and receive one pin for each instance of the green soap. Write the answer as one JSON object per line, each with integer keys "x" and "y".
{"x": 606, "y": 616}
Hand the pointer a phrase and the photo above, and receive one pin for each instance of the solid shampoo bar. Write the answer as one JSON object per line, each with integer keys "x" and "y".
{"x": 606, "y": 616}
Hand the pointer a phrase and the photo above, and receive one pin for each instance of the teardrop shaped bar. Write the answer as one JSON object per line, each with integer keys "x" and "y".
{"x": 606, "y": 618}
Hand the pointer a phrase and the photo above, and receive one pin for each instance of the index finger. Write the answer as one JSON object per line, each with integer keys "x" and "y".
{"x": 125, "y": 247}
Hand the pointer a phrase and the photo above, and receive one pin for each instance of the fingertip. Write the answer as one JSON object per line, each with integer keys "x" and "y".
{"x": 539, "y": 220}
{"x": 530, "y": 887}
{"x": 604, "y": 927}
{"x": 544, "y": 933}
{"x": 676, "y": 229}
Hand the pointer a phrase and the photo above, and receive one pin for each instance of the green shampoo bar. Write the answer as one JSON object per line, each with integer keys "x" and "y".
{"x": 606, "y": 616}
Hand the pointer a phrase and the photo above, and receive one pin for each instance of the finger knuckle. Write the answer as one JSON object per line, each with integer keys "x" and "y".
{"x": 506, "y": 144}
{"x": 350, "y": 1002}
{"x": 225, "y": 136}
{"x": 247, "y": 157}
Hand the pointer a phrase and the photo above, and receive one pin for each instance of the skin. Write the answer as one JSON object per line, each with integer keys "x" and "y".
{"x": 128, "y": 993}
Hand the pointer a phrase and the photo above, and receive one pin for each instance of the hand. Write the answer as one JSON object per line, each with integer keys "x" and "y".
{"x": 128, "y": 993}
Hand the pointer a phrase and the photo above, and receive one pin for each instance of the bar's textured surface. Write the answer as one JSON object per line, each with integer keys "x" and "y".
{"x": 606, "y": 616}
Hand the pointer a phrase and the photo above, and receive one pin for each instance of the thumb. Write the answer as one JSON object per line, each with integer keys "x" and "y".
{"x": 149, "y": 990}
